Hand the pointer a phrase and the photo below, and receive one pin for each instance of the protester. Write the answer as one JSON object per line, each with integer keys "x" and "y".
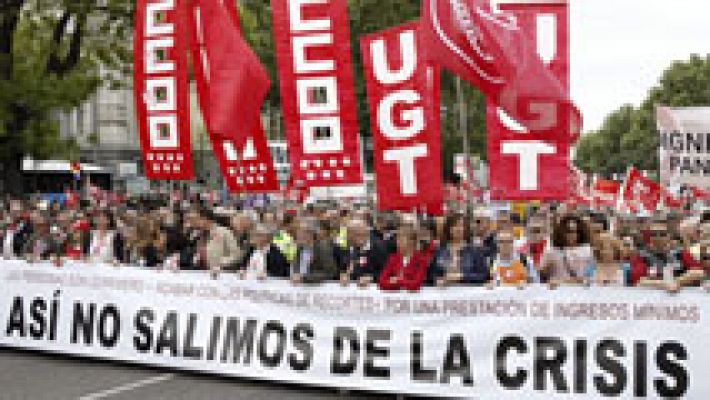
{"x": 105, "y": 245}
{"x": 17, "y": 231}
{"x": 510, "y": 268}
{"x": 457, "y": 261}
{"x": 406, "y": 268}
{"x": 534, "y": 245}
{"x": 314, "y": 261}
{"x": 633, "y": 264}
{"x": 570, "y": 259}
{"x": 668, "y": 265}
{"x": 609, "y": 268}
{"x": 263, "y": 258}
{"x": 365, "y": 256}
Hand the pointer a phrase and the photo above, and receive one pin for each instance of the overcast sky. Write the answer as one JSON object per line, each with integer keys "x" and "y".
{"x": 620, "y": 48}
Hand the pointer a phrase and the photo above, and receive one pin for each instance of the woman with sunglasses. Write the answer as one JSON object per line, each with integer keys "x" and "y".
{"x": 669, "y": 266}
{"x": 570, "y": 259}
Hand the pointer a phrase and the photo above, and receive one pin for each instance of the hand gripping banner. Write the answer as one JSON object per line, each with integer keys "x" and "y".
{"x": 403, "y": 92}
{"x": 528, "y": 163}
{"x": 231, "y": 85}
{"x": 317, "y": 91}
{"x": 161, "y": 89}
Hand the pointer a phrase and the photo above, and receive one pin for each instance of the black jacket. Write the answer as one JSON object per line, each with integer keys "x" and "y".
{"x": 369, "y": 261}
{"x": 276, "y": 264}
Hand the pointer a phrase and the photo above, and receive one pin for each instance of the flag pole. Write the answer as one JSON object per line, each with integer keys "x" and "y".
{"x": 463, "y": 127}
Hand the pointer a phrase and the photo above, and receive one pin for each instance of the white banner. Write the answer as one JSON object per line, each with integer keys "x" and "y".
{"x": 461, "y": 342}
{"x": 684, "y": 146}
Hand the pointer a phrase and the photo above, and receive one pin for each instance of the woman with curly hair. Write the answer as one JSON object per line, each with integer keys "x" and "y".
{"x": 570, "y": 259}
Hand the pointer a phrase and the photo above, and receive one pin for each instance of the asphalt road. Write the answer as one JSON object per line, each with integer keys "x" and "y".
{"x": 31, "y": 376}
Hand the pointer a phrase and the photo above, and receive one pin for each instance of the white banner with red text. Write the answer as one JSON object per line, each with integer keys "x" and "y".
{"x": 459, "y": 342}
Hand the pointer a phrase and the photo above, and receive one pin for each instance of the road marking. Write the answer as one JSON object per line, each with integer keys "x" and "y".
{"x": 128, "y": 387}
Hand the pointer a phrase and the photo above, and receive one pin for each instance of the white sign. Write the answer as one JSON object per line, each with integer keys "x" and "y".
{"x": 461, "y": 342}
{"x": 684, "y": 146}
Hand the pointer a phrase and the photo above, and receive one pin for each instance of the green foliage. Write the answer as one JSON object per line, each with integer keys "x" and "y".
{"x": 629, "y": 135}
{"x": 53, "y": 56}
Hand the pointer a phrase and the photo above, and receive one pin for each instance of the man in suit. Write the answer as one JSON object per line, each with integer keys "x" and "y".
{"x": 365, "y": 256}
{"x": 314, "y": 261}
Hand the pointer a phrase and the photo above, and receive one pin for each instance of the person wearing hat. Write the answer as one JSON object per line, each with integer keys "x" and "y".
{"x": 314, "y": 261}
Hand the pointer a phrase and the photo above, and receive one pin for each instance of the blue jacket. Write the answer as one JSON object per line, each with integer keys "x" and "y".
{"x": 474, "y": 265}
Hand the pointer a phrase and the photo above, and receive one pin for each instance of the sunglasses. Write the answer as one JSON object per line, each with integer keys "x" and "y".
{"x": 658, "y": 234}
{"x": 535, "y": 230}
{"x": 705, "y": 257}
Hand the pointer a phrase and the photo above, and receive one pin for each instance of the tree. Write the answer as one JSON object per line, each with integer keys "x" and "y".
{"x": 629, "y": 135}
{"x": 53, "y": 55}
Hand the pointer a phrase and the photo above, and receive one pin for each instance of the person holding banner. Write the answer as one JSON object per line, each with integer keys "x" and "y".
{"x": 609, "y": 270}
{"x": 570, "y": 259}
{"x": 510, "y": 268}
{"x": 105, "y": 245}
{"x": 670, "y": 268}
{"x": 407, "y": 267}
{"x": 457, "y": 261}
{"x": 534, "y": 245}
{"x": 365, "y": 256}
{"x": 264, "y": 259}
{"x": 314, "y": 261}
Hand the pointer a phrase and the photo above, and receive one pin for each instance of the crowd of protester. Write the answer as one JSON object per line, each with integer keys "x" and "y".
{"x": 350, "y": 244}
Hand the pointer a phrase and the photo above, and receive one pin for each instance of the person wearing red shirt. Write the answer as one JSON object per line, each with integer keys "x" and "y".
{"x": 635, "y": 266}
{"x": 406, "y": 268}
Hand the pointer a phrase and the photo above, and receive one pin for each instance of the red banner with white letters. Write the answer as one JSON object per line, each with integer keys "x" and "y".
{"x": 317, "y": 91}
{"x": 526, "y": 163}
{"x": 231, "y": 85}
{"x": 161, "y": 89}
{"x": 404, "y": 92}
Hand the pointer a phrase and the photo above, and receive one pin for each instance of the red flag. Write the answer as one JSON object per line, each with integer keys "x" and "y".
{"x": 491, "y": 51}
{"x": 511, "y": 140}
{"x": 640, "y": 191}
{"x": 404, "y": 92}
{"x": 317, "y": 91}
{"x": 238, "y": 82}
{"x": 161, "y": 89}
{"x": 671, "y": 201}
{"x": 231, "y": 85}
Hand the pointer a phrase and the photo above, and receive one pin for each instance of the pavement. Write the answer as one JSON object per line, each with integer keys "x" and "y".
{"x": 32, "y": 376}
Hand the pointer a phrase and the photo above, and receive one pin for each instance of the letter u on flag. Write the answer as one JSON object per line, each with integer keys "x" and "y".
{"x": 403, "y": 92}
